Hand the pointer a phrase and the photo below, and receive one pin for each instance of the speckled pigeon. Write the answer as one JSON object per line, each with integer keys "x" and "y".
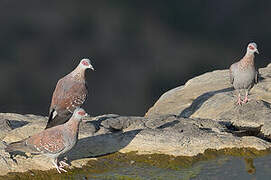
{"x": 52, "y": 142}
{"x": 243, "y": 74}
{"x": 70, "y": 93}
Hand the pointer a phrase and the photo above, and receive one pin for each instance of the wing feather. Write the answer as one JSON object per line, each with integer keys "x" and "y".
{"x": 48, "y": 141}
{"x": 231, "y": 75}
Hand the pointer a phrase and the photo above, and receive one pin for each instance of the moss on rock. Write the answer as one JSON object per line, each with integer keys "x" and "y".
{"x": 118, "y": 160}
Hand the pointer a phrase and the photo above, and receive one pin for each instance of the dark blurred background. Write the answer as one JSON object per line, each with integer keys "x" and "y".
{"x": 140, "y": 49}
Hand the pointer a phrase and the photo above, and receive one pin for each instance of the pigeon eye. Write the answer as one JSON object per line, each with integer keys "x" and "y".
{"x": 251, "y": 47}
{"x": 85, "y": 63}
{"x": 82, "y": 113}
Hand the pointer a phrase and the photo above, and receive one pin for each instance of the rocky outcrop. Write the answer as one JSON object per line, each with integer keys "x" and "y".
{"x": 185, "y": 121}
{"x": 211, "y": 96}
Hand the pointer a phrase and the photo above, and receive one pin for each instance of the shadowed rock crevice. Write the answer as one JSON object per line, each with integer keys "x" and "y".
{"x": 16, "y": 124}
{"x": 248, "y": 131}
{"x": 244, "y": 131}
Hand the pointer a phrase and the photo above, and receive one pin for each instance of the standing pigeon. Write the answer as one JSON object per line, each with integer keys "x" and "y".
{"x": 70, "y": 93}
{"x": 52, "y": 142}
{"x": 243, "y": 74}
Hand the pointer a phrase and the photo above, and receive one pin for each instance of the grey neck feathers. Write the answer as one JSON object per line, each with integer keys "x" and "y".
{"x": 73, "y": 126}
{"x": 248, "y": 59}
{"x": 249, "y": 54}
{"x": 78, "y": 73}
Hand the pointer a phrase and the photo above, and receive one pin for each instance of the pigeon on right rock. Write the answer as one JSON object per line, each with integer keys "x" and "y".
{"x": 243, "y": 74}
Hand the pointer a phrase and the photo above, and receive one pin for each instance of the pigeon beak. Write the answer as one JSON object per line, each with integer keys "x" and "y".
{"x": 91, "y": 67}
{"x": 257, "y": 51}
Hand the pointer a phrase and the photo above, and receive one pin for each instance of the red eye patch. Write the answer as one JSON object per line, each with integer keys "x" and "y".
{"x": 85, "y": 63}
{"x": 251, "y": 47}
{"x": 82, "y": 113}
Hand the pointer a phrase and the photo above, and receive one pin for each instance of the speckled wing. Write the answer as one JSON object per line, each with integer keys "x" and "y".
{"x": 48, "y": 141}
{"x": 231, "y": 71}
{"x": 257, "y": 76}
{"x": 67, "y": 96}
{"x": 75, "y": 96}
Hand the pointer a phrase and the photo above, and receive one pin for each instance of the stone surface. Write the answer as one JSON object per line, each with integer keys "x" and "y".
{"x": 215, "y": 87}
{"x": 211, "y": 96}
{"x": 185, "y": 121}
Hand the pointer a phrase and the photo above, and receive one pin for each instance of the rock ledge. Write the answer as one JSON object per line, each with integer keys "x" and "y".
{"x": 185, "y": 121}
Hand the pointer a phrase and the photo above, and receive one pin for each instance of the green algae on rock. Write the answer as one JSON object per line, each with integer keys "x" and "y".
{"x": 109, "y": 163}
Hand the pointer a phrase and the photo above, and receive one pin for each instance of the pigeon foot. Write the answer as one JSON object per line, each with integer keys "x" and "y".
{"x": 63, "y": 164}
{"x": 59, "y": 168}
{"x": 239, "y": 102}
{"x": 245, "y": 100}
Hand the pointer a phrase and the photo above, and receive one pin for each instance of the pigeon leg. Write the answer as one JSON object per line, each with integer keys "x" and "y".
{"x": 58, "y": 168}
{"x": 63, "y": 164}
{"x": 246, "y": 98}
{"x": 239, "y": 101}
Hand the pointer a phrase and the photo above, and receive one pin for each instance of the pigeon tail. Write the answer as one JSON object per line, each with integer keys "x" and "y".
{"x": 50, "y": 118}
{"x": 16, "y": 146}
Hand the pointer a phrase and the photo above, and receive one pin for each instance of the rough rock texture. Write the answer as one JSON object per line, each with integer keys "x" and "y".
{"x": 185, "y": 121}
{"x": 214, "y": 86}
{"x": 211, "y": 96}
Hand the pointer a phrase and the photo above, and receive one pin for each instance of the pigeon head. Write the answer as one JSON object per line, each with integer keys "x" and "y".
{"x": 252, "y": 48}
{"x": 86, "y": 64}
{"x": 79, "y": 113}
